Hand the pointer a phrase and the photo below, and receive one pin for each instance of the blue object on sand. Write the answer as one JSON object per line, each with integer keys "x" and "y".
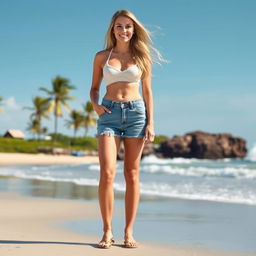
{"x": 77, "y": 153}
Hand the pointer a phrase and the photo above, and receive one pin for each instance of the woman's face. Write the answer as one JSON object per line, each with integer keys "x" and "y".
{"x": 123, "y": 29}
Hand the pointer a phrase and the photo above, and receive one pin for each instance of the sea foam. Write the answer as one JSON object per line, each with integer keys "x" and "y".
{"x": 252, "y": 153}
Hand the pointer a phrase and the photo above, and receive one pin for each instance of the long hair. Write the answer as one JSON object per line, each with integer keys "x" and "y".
{"x": 141, "y": 45}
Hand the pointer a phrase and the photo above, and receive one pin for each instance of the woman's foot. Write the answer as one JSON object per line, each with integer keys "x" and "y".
{"x": 129, "y": 242}
{"x": 106, "y": 241}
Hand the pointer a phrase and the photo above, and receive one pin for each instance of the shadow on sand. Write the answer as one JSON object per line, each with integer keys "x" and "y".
{"x": 52, "y": 242}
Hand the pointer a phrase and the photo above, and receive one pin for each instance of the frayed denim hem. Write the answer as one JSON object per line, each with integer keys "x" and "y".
{"x": 108, "y": 133}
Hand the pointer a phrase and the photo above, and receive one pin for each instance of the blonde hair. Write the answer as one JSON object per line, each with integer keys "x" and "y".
{"x": 141, "y": 45}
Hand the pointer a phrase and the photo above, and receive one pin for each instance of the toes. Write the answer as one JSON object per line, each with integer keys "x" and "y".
{"x": 101, "y": 244}
{"x": 105, "y": 244}
{"x": 131, "y": 244}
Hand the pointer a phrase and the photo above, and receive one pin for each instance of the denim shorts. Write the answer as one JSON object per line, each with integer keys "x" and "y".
{"x": 127, "y": 119}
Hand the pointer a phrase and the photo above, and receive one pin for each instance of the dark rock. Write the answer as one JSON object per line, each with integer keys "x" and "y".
{"x": 149, "y": 149}
{"x": 120, "y": 153}
{"x": 203, "y": 145}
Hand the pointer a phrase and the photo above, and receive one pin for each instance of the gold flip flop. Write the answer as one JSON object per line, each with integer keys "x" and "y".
{"x": 130, "y": 244}
{"x": 106, "y": 244}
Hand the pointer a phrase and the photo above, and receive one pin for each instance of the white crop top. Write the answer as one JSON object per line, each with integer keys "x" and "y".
{"x": 112, "y": 74}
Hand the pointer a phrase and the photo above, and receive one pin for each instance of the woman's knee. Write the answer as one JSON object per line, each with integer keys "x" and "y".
{"x": 107, "y": 175}
{"x": 131, "y": 175}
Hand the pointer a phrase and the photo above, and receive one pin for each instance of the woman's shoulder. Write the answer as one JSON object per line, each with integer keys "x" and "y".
{"x": 102, "y": 54}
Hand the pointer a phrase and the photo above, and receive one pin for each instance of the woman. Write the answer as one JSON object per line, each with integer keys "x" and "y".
{"x": 123, "y": 114}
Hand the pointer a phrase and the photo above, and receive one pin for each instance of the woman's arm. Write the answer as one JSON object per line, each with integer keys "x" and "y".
{"x": 96, "y": 81}
{"x": 148, "y": 99}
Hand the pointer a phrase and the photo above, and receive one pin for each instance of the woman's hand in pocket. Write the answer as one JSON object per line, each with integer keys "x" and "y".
{"x": 100, "y": 109}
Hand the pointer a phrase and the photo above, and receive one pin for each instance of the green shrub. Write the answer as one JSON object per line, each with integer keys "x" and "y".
{"x": 30, "y": 146}
{"x": 160, "y": 138}
{"x": 89, "y": 143}
{"x": 62, "y": 141}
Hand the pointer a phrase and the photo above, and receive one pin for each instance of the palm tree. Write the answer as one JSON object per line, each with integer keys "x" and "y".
{"x": 89, "y": 116}
{"x": 59, "y": 95}
{"x": 76, "y": 120}
{"x": 1, "y": 100}
{"x": 34, "y": 127}
{"x": 40, "y": 108}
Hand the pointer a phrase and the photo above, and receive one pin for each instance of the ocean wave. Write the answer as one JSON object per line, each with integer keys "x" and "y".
{"x": 192, "y": 192}
{"x": 229, "y": 172}
{"x": 189, "y": 190}
{"x": 94, "y": 167}
{"x": 45, "y": 177}
{"x": 241, "y": 171}
{"x": 152, "y": 159}
{"x": 252, "y": 154}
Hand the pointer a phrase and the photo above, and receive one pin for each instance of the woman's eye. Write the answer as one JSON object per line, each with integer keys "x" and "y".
{"x": 126, "y": 27}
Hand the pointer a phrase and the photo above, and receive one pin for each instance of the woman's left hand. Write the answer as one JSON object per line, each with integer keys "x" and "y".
{"x": 149, "y": 134}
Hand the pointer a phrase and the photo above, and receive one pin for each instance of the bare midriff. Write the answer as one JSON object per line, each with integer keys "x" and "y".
{"x": 122, "y": 91}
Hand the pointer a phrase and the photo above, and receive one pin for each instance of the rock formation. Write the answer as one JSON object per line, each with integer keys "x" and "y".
{"x": 203, "y": 145}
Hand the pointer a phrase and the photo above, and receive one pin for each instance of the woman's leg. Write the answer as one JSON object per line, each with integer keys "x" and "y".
{"x": 107, "y": 147}
{"x": 133, "y": 150}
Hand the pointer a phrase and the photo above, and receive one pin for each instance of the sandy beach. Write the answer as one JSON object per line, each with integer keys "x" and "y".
{"x": 34, "y": 217}
{"x": 31, "y": 226}
{"x": 41, "y": 159}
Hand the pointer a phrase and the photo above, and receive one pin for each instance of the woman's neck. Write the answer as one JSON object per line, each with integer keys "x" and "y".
{"x": 122, "y": 48}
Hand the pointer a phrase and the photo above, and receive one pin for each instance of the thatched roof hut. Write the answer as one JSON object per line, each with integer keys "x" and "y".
{"x": 16, "y": 134}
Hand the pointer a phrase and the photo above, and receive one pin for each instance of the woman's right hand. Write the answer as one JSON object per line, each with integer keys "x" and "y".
{"x": 100, "y": 109}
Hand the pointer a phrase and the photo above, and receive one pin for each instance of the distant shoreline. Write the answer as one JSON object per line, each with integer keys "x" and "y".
{"x": 44, "y": 159}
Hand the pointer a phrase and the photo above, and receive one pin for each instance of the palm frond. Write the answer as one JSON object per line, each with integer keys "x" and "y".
{"x": 51, "y": 106}
{"x": 58, "y": 110}
{"x": 46, "y": 90}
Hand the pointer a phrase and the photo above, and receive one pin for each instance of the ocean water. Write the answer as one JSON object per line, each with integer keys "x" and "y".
{"x": 228, "y": 180}
{"x": 187, "y": 202}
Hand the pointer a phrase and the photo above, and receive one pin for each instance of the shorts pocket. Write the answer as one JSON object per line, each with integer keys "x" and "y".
{"x": 107, "y": 106}
{"x": 102, "y": 114}
{"x": 105, "y": 114}
{"x": 140, "y": 109}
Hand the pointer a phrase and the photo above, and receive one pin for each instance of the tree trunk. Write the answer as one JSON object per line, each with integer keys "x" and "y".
{"x": 85, "y": 131}
{"x": 55, "y": 120}
{"x": 55, "y": 126}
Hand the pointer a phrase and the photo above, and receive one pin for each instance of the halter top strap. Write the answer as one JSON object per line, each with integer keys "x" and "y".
{"x": 109, "y": 55}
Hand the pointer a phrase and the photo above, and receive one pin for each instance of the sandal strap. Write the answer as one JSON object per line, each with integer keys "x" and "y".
{"x": 106, "y": 243}
{"x": 130, "y": 244}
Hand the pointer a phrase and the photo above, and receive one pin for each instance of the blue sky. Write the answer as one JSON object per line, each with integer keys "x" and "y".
{"x": 208, "y": 84}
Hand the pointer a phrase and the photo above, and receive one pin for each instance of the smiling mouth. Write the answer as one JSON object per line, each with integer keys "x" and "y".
{"x": 123, "y": 36}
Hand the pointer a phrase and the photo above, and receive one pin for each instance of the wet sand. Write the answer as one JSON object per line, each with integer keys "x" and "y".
{"x": 32, "y": 226}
